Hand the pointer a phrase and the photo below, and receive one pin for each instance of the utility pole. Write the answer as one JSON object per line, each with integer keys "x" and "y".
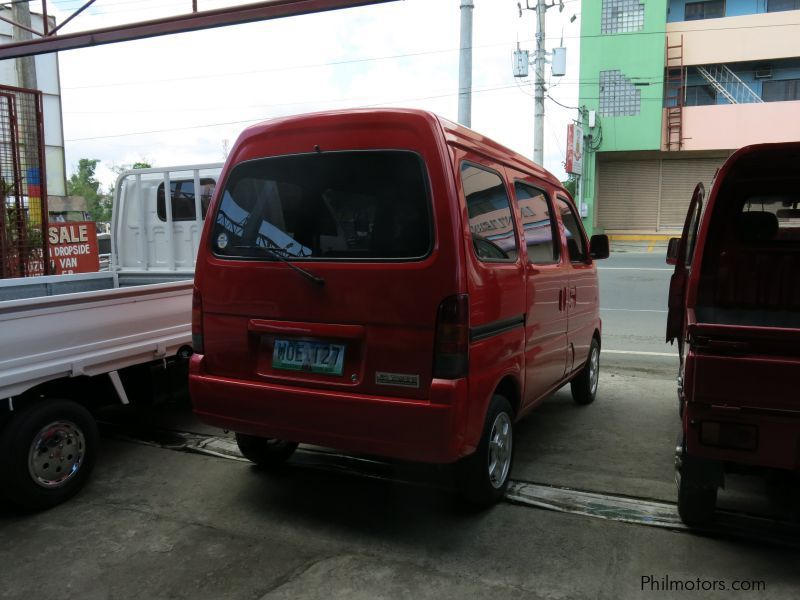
{"x": 465, "y": 65}
{"x": 539, "y": 59}
{"x": 538, "y": 95}
{"x": 26, "y": 65}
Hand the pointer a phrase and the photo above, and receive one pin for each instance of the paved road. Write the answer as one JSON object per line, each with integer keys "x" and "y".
{"x": 633, "y": 305}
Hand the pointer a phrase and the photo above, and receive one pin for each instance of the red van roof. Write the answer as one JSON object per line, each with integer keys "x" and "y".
{"x": 452, "y": 132}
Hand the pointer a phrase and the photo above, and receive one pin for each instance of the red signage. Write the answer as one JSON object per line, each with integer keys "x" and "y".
{"x": 574, "y": 149}
{"x": 72, "y": 247}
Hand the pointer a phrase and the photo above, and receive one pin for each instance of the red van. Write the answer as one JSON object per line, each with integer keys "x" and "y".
{"x": 387, "y": 282}
{"x": 734, "y": 308}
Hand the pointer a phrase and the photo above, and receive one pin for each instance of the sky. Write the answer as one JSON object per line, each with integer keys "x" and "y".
{"x": 184, "y": 99}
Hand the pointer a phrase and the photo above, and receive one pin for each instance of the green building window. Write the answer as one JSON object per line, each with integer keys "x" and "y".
{"x": 618, "y": 96}
{"x": 622, "y": 16}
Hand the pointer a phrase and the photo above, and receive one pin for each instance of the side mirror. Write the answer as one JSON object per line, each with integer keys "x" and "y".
{"x": 598, "y": 246}
{"x": 672, "y": 251}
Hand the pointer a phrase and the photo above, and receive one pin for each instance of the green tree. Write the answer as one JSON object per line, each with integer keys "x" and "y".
{"x": 84, "y": 183}
{"x": 571, "y": 185}
{"x": 120, "y": 169}
{"x": 144, "y": 163}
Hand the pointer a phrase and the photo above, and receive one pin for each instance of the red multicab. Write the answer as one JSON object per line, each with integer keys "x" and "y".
{"x": 734, "y": 308}
{"x": 434, "y": 326}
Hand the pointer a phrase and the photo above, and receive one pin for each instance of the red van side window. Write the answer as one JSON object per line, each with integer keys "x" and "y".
{"x": 541, "y": 233}
{"x": 490, "y": 218}
{"x": 573, "y": 231}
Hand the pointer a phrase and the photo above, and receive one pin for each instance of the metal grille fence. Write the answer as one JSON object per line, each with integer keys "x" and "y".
{"x": 23, "y": 189}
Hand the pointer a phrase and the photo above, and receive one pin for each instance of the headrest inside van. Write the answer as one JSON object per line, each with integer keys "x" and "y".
{"x": 757, "y": 226}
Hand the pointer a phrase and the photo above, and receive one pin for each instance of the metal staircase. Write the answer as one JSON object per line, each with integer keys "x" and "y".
{"x": 728, "y": 83}
{"x": 674, "y": 95}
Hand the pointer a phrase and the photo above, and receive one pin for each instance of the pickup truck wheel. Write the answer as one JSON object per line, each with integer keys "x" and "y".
{"x": 265, "y": 452}
{"x": 697, "y": 501}
{"x": 484, "y": 475}
{"x": 584, "y": 386}
{"x": 47, "y": 452}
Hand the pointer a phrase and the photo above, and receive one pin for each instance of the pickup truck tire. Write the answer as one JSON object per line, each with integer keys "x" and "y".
{"x": 265, "y": 452}
{"x": 584, "y": 385}
{"x": 484, "y": 475}
{"x": 47, "y": 452}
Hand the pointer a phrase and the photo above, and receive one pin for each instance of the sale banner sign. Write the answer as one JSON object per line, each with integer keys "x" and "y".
{"x": 72, "y": 247}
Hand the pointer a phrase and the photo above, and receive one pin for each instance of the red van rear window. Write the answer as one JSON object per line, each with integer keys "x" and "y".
{"x": 326, "y": 206}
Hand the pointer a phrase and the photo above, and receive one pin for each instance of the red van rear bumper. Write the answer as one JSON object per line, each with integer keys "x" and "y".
{"x": 424, "y": 431}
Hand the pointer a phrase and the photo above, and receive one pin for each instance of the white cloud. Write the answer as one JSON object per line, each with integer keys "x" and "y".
{"x": 301, "y": 64}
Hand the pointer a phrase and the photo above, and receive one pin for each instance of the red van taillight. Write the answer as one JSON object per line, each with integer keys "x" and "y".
{"x": 197, "y": 322}
{"x": 451, "y": 349}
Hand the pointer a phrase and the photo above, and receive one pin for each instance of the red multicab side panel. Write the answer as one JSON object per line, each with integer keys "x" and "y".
{"x": 496, "y": 293}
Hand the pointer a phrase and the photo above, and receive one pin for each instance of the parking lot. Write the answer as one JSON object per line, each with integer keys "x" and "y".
{"x": 171, "y": 512}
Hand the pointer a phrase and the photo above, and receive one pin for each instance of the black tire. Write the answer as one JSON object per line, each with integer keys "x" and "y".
{"x": 265, "y": 452}
{"x": 697, "y": 500}
{"x": 47, "y": 453}
{"x": 584, "y": 385}
{"x": 479, "y": 483}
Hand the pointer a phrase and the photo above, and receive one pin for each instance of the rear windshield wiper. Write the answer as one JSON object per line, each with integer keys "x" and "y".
{"x": 276, "y": 254}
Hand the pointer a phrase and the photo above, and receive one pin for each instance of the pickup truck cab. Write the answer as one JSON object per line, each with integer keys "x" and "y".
{"x": 387, "y": 282}
{"x": 734, "y": 308}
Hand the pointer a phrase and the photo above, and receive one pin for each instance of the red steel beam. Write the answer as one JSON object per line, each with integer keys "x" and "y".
{"x": 234, "y": 15}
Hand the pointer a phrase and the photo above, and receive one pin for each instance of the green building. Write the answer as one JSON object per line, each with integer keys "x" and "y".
{"x": 669, "y": 89}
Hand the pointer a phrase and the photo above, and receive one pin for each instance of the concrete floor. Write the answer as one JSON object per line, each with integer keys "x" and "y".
{"x": 160, "y": 524}
{"x": 155, "y": 523}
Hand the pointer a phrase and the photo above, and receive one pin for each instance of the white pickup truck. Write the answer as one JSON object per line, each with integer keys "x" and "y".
{"x": 69, "y": 343}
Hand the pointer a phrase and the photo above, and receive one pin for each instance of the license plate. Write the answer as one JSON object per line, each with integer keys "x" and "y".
{"x": 310, "y": 357}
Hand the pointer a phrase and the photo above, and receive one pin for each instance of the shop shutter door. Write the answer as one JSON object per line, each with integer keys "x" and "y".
{"x": 678, "y": 180}
{"x": 628, "y": 195}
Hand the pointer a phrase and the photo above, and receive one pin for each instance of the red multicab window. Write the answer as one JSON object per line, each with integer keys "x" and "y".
{"x": 541, "y": 233}
{"x": 354, "y": 205}
{"x": 489, "y": 209}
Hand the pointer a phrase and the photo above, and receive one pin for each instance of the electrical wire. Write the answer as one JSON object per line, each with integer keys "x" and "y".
{"x": 63, "y": 5}
{"x": 263, "y": 118}
{"x": 549, "y": 97}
